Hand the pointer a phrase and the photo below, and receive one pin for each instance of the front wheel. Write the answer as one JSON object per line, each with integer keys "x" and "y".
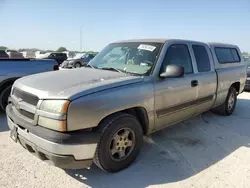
{"x": 77, "y": 65}
{"x": 120, "y": 142}
{"x": 4, "y": 96}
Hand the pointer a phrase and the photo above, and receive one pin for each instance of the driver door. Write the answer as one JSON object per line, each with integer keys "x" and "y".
{"x": 175, "y": 97}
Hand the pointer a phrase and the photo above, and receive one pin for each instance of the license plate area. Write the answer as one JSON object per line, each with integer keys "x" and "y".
{"x": 13, "y": 134}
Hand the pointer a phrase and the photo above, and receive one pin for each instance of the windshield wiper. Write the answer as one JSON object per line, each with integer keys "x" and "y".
{"x": 91, "y": 66}
{"x": 113, "y": 69}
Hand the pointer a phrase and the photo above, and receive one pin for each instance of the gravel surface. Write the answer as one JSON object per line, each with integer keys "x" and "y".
{"x": 205, "y": 151}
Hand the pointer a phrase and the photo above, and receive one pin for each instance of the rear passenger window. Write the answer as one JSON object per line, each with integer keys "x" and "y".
{"x": 227, "y": 55}
{"x": 178, "y": 54}
{"x": 201, "y": 57}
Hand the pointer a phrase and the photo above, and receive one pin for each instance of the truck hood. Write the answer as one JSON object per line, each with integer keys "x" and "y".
{"x": 71, "y": 84}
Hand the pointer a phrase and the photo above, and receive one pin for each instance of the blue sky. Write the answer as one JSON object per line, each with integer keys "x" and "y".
{"x": 48, "y": 24}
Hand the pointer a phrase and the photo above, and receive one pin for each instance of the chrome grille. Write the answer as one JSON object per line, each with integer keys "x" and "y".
{"x": 26, "y": 97}
{"x": 19, "y": 97}
{"x": 26, "y": 113}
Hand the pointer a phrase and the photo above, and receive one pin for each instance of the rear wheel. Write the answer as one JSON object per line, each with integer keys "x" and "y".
{"x": 4, "y": 95}
{"x": 120, "y": 142}
{"x": 77, "y": 65}
{"x": 228, "y": 107}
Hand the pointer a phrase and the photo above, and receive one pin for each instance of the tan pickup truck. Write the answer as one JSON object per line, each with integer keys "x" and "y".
{"x": 131, "y": 88}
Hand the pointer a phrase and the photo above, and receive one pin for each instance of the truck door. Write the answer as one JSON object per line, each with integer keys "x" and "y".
{"x": 175, "y": 98}
{"x": 206, "y": 76}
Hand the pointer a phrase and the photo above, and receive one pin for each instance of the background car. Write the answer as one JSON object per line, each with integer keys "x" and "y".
{"x": 78, "y": 61}
{"x": 58, "y": 56}
{"x": 3, "y": 55}
{"x": 13, "y": 54}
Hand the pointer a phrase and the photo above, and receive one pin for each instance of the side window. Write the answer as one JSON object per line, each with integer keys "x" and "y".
{"x": 52, "y": 55}
{"x": 227, "y": 55}
{"x": 235, "y": 54}
{"x": 178, "y": 54}
{"x": 201, "y": 57}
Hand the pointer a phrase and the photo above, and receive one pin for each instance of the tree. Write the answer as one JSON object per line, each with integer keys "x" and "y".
{"x": 61, "y": 49}
{"x": 3, "y": 48}
{"x": 245, "y": 53}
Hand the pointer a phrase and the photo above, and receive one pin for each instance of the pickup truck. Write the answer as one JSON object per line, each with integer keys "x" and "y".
{"x": 12, "y": 69}
{"x": 102, "y": 111}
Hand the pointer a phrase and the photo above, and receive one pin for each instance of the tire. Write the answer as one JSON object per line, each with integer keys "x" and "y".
{"x": 4, "y": 95}
{"x": 111, "y": 126}
{"x": 225, "y": 108}
{"x": 77, "y": 65}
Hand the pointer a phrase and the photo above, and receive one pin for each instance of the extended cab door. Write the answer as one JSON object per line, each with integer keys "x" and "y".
{"x": 206, "y": 76}
{"x": 176, "y": 98}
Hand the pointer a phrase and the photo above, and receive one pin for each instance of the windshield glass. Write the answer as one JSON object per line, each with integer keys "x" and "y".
{"x": 133, "y": 57}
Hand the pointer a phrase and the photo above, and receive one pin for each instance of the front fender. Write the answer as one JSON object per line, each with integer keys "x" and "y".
{"x": 88, "y": 111}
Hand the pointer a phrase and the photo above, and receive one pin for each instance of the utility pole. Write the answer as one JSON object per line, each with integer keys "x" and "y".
{"x": 81, "y": 39}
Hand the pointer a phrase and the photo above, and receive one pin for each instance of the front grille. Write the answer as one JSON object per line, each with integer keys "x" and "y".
{"x": 248, "y": 82}
{"x": 26, "y": 114}
{"x": 26, "y": 97}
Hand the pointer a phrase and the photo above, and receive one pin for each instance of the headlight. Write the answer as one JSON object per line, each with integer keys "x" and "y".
{"x": 55, "y": 106}
{"x": 50, "y": 111}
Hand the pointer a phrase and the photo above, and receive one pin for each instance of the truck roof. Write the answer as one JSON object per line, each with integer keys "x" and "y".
{"x": 218, "y": 44}
{"x": 164, "y": 40}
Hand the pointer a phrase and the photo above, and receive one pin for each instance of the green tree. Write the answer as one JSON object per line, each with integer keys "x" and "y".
{"x": 3, "y": 48}
{"x": 61, "y": 49}
{"x": 245, "y": 53}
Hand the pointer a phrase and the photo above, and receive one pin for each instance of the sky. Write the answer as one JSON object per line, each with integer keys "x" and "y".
{"x": 49, "y": 24}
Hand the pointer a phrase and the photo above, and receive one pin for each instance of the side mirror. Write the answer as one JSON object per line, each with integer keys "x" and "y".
{"x": 173, "y": 71}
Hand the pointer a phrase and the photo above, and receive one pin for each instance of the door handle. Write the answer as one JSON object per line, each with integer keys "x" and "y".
{"x": 194, "y": 83}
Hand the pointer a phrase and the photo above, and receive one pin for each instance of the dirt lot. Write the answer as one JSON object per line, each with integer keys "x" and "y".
{"x": 205, "y": 151}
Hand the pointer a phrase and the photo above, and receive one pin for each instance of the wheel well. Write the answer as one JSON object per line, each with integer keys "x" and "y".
{"x": 7, "y": 83}
{"x": 140, "y": 113}
{"x": 236, "y": 85}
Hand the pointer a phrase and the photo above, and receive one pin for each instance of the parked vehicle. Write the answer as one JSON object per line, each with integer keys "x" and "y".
{"x": 100, "y": 113}
{"x": 39, "y": 54}
{"x": 3, "y": 55}
{"x": 12, "y": 69}
{"x": 29, "y": 54}
{"x": 247, "y": 86}
{"x": 69, "y": 54}
{"x": 59, "y": 57}
{"x": 13, "y": 54}
{"x": 78, "y": 61}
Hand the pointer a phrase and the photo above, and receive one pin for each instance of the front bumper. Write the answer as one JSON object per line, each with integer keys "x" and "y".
{"x": 64, "y": 150}
{"x": 247, "y": 88}
{"x": 247, "y": 85}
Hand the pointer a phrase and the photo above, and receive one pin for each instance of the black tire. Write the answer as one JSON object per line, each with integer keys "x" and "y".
{"x": 224, "y": 108}
{"x": 77, "y": 65}
{"x": 4, "y": 95}
{"x": 108, "y": 128}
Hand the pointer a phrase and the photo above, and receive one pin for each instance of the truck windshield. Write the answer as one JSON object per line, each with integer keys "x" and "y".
{"x": 133, "y": 57}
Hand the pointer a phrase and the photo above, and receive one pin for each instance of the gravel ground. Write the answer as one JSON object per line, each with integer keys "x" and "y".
{"x": 205, "y": 151}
